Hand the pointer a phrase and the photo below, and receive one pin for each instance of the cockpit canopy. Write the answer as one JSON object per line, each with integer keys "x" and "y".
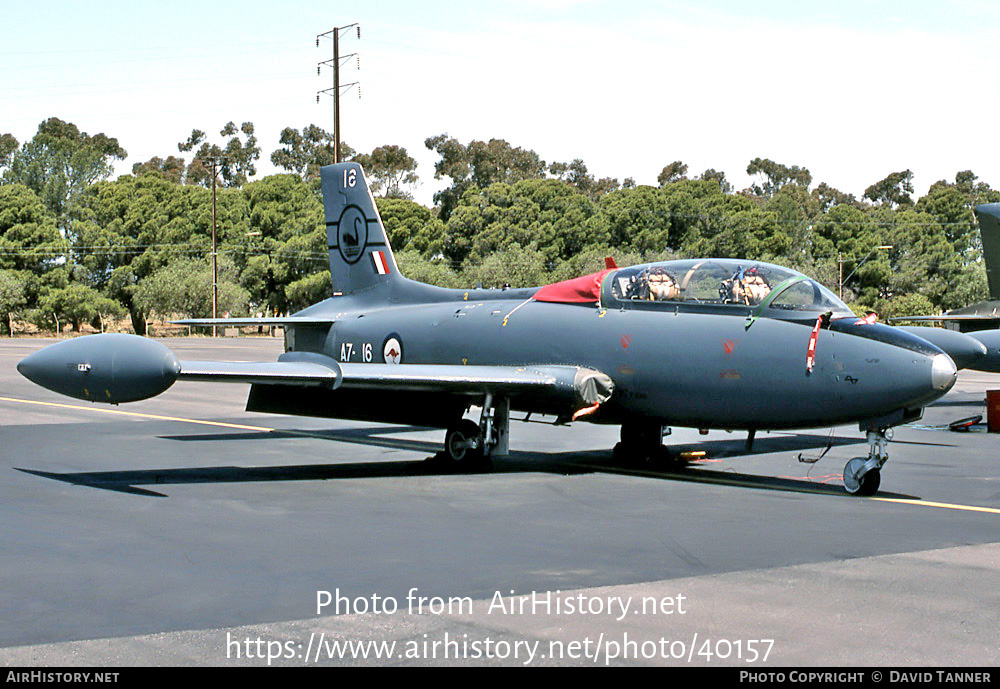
{"x": 752, "y": 285}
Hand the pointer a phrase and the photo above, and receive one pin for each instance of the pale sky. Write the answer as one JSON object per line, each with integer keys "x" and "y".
{"x": 852, "y": 90}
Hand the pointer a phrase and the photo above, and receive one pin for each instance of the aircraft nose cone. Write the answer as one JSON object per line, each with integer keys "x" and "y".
{"x": 943, "y": 372}
{"x": 24, "y": 368}
{"x": 34, "y": 367}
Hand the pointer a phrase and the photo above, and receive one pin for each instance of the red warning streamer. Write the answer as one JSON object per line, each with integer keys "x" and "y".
{"x": 811, "y": 351}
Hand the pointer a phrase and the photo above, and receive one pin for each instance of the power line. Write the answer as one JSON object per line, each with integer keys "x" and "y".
{"x": 145, "y": 48}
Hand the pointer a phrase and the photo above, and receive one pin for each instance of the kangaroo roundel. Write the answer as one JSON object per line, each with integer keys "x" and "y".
{"x": 392, "y": 350}
{"x": 352, "y": 234}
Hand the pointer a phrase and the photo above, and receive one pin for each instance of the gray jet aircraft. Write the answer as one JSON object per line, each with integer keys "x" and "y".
{"x": 702, "y": 343}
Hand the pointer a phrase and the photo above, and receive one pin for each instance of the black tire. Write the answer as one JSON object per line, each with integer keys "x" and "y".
{"x": 870, "y": 483}
{"x": 626, "y": 455}
{"x": 861, "y": 485}
{"x": 454, "y": 444}
{"x": 641, "y": 445}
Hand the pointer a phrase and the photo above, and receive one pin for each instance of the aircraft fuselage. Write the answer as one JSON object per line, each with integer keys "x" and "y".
{"x": 684, "y": 369}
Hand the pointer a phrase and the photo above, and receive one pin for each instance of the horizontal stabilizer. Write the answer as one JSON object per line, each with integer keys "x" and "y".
{"x": 946, "y": 317}
{"x": 277, "y": 321}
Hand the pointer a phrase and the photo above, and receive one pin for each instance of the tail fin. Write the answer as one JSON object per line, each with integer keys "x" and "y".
{"x": 989, "y": 231}
{"x": 360, "y": 256}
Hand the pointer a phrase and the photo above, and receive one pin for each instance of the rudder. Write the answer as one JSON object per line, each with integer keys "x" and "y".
{"x": 360, "y": 256}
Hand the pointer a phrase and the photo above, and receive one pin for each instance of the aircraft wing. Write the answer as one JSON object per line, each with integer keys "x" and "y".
{"x": 475, "y": 379}
{"x": 117, "y": 368}
{"x": 272, "y": 372}
{"x": 569, "y": 382}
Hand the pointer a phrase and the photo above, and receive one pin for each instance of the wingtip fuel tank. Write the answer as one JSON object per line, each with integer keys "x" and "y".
{"x": 110, "y": 368}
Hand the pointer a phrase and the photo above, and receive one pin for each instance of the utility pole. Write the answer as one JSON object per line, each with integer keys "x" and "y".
{"x": 215, "y": 252}
{"x": 840, "y": 260}
{"x": 335, "y": 90}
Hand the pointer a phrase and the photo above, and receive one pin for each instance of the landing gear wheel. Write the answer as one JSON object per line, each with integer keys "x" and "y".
{"x": 463, "y": 445}
{"x": 641, "y": 445}
{"x": 858, "y": 483}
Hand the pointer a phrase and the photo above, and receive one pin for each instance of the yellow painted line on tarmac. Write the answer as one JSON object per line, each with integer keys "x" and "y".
{"x": 692, "y": 477}
{"x": 943, "y": 505}
{"x": 140, "y": 415}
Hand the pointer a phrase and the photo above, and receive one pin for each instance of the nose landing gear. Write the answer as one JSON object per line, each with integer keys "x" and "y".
{"x": 471, "y": 445}
{"x": 862, "y": 475}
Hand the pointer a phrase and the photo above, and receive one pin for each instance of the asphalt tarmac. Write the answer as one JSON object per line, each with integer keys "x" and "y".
{"x": 183, "y": 530}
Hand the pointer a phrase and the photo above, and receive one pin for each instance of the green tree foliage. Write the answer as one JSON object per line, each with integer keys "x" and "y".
{"x": 951, "y": 205}
{"x": 74, "y": 245}
{"x": 29, "y": 238}
{"x": 592, "y": 260}
{"x": 575, "y": 173}
{"x": 846, "y": 234}
{"x": 13, "y": 296}
{"x": 184, "y": 286}
{"x": 305, "y": 152}
{"x": 171, "y": 169}
{"x": 638, "y": 219}
{"x": 893, "y": 191}
{"x": 282, "y": 243}
{"x": 546, "y": 213}
{"x": 773, "y": 176}
{"x": 902, "y": 305}
{"x": 308, "y": 290}
{"x": 390, "y": 170}
{"x": 478, "y": 164}
{"x": 237, "y": 159}
{"x": 411, "y": 227}
{"x": 8, "y": 145}
{"x": 60, "y": 162}
{"x": 674, "y": 172}
{"x": 125, "y": 230}
{"x": 512, "y": 267}
{"x": 744, "y": 231}
{"x": 923, "y": 261}
{"x": 827, "y": 197}
{"x": 74, "y": 303}
{"x": 713, "y": 175}
{"x": 433, "y": 271}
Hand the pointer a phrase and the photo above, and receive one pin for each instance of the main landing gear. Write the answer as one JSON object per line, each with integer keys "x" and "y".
{"x": 469, "y": 445}
{"x": 642, "y": 443}
{"x": 862, "y": 475}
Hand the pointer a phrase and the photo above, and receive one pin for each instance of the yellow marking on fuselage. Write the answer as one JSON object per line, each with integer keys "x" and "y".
{"x": 140, "y": 414}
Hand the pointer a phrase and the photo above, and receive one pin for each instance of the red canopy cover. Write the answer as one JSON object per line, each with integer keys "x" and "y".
{"x": 580, "y": 290}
